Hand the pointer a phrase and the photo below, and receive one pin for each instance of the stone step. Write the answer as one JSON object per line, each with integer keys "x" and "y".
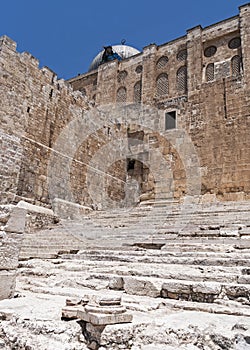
{"x": 197, "y": 275}
{"x": 193, "y": 260}
{"x": 186, "y": 290}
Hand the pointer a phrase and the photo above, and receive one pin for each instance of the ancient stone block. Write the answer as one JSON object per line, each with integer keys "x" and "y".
{"x": 177, "y": 287}
{"x": 206, "y": 288}
{"x": 9, "y": 251}
{"x": 7, "y": 284}
{"x": 16, "y": 222}
{"x": 142, "y": 286}
{"x": 235, "y": 291}
{"x": 69, "y": 210}
{"x": 116, "y": 283}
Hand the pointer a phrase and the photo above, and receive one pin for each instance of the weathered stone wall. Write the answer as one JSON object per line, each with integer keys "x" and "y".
{"x": 10, "y": 241}
{"x": 10, "y": 165}
{"x": 211, "y": 105}
{"x": 35, "y": 107}
{"x": 204, "y": 78}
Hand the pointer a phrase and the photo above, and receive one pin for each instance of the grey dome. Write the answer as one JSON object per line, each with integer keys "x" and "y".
{"x": 123, "y": 50}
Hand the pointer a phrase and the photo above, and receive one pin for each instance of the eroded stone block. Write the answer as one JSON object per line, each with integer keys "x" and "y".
{"x": 9, "y": 251}
{"x": 142, "y": 286}
{"x": 16, "y": 222}
{"x": 69, "y": 210}
{"x": 7, "y": 284}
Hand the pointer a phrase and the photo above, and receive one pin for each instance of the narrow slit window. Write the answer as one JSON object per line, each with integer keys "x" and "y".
{"x": 162, "y": 85}
{"x": 137, "y": 92}
{"x": 182, "y": 79}
{"x": 121, "y": 95}
{"x": 210, "y": 72}
{"x": 236, "y": 65}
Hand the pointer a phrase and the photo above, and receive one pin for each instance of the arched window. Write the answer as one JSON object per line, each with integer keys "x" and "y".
{"x": 139, "y": 69}
{"x": 182, "y": 55}
{"x": 121, "y": 95}
{"x": 122, "y": 76}
{"x": 137, "y": 92}
{"x": 234, "y": 43}
{"x": 161, "y": 63}
{"x": 181, "y": 78}
{"x": 210, "y": 51}
{"x": 83, "y": 91}
{"x": 210, "y": 72}
{"x": 162, "y": 85}
{"x": 236, "y": 65}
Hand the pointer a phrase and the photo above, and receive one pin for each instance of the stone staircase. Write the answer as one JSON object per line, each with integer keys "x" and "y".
{"x": 216, "y": 227}
{"x": 167, "y": 263}
{"x": 193, "y": 254}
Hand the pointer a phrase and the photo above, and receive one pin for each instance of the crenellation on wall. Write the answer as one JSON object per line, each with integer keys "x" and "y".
{"x": 28, "y": 58}
{"x": 7, "y": 43}
{"x": 220, "y": 29}
{"x": 35, "y": 108}
{"x": 50, "y": 74}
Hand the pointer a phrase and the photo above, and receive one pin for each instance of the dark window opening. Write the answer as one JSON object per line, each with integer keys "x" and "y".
{"x": 122, "y": 76}
{"x": 236, "y": 64}
{"x": 170, "y": 120}
{"x": 139, "y": 69}
{"x": 182, "y": 55}
{"x": 130, "y": 164}
{"x": 121, "y": 95}
{"x": 83, "y": 91}
{"x": 137, "y": 92}
{"x": 210, "y": 51}
{"x": 28, "y": 109}
{"x": 162, "y": 85}
{"x": 51, "y": 93}
{"x": 161, "y": 63}
{"x": 210, "y": 72}
{"x": 182, "y": 79}
{"x": 234, "y": 43}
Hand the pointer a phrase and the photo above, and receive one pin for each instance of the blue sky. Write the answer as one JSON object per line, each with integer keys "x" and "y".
{"x": 65, "y": 35}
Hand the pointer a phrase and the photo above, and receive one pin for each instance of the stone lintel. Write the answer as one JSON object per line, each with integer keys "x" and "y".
{"x": 8, "y": 42}
{"x": 34, "y": 208}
